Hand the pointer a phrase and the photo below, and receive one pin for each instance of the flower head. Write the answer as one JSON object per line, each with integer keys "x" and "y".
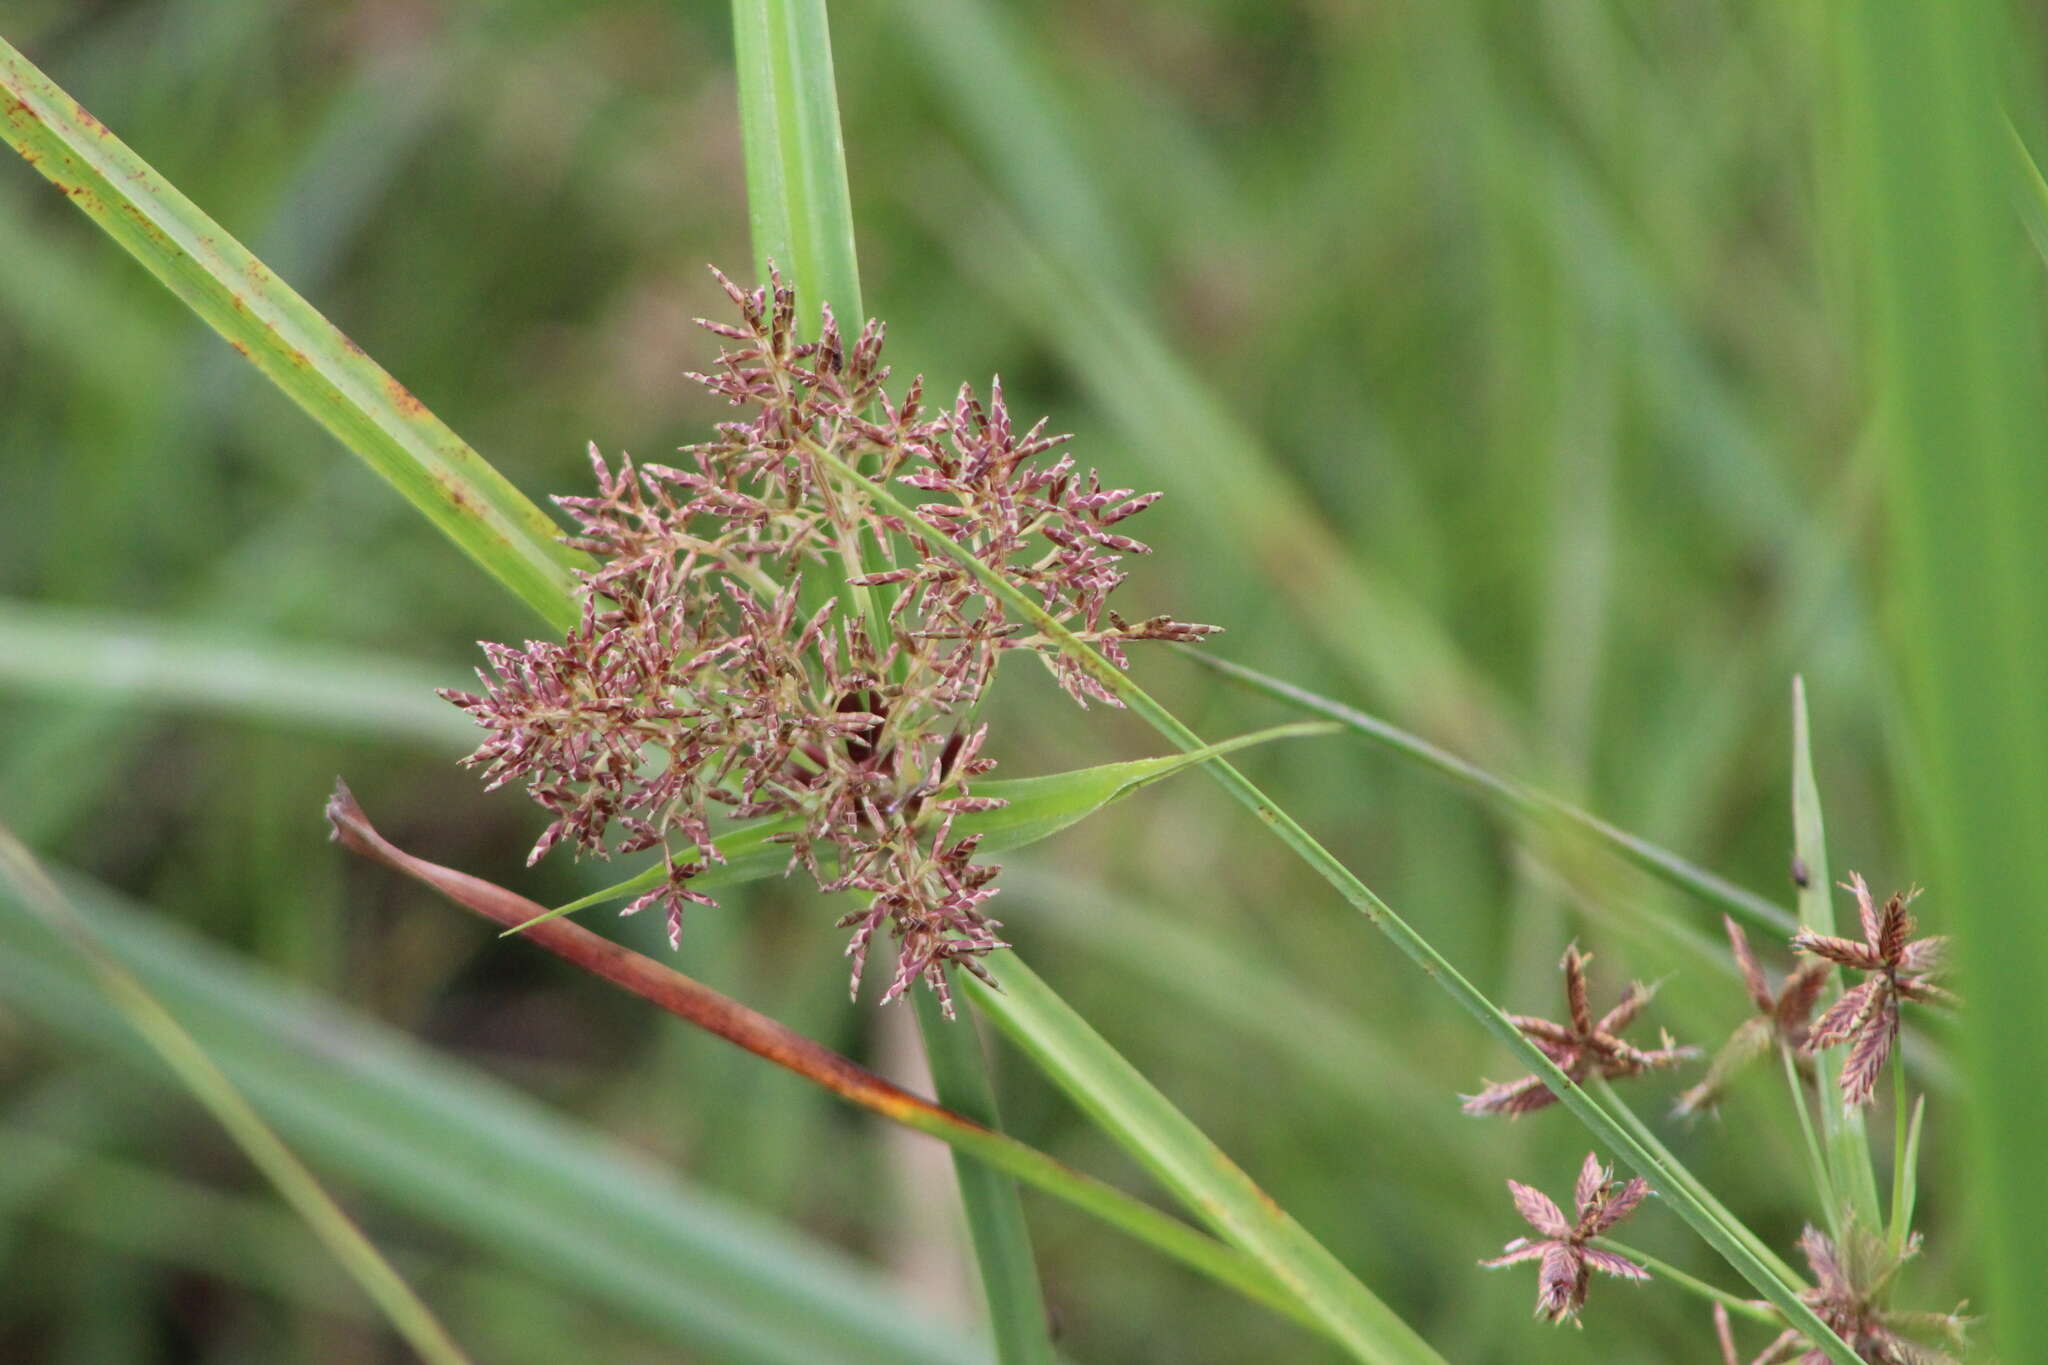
{"x": 1562, "y": 1247}
{"x": 713, "y": 677}
{"x": 1852, "y": 1282}
{"x": 1582, "y": 1048}
{"x": 1781, "y": 1017}
{"x": 1899, "y": 967}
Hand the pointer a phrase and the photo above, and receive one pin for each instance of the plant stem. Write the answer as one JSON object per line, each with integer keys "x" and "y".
{"x": 1902, "y": 1154}
{"x": 1749, "y": 1308}
{"x": 1844, "y": 1136}
{"x": 1727, "y": 1236}
{"x": 1817, "y": 1162}
{"x": 1518, "y": 797}
{"x": 995, "y": 1215}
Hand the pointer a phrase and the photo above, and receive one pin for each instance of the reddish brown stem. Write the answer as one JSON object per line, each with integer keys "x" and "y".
{"x": 681, "y": 996}
{"x": 707, "y": 1009}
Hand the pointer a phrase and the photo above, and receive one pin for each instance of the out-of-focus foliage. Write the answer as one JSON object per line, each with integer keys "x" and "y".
{"x": 1484, "y": 352}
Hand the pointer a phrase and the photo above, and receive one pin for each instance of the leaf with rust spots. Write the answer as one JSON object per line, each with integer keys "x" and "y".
{"x": 402, "y": 399}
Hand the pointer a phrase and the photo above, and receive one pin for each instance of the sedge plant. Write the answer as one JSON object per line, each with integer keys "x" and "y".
{"x": 787, "y": 633}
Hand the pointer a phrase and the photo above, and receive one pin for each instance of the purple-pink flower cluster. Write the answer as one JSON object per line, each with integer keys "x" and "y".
{"x": 715, "y": 676}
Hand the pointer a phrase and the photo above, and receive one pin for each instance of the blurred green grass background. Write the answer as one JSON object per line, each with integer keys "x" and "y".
{"x": 1489, "y": 360}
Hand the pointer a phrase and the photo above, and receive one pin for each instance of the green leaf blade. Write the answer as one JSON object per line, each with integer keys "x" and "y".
{"x": 288, "y": 341}
{"x": 1845, "y": 1137}
{"x": 1127, "y": 1106}
{"x": 797, "y": 192}
{"x": 1034, "y": 808}
{"x": 456, "y": 1148}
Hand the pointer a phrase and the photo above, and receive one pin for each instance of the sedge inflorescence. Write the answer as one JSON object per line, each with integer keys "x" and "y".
{"x": 715, "y": 676}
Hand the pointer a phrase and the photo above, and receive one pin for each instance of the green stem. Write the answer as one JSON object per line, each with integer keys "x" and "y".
{"x": 801, "y": 206}
{"x": 1902, "y": 1154}
{"x": 1816, "y": 1161}
{"x": 1662, "y": 1270}
{"x": 1844, "y": 1136}
{"x": 1523, "y": 800}
{"x": 995, "y": 1213}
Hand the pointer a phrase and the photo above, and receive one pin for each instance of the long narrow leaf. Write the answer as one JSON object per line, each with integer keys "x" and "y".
{"x": 1844, "y": 1139}
{"x": 288, "y": 340}
{"x": 802, "y": 214}
{"x": 1132, "y": 1110}
{"x": 995, "y": 1213}
{"x": 1953, "y": 339}
{"x": 453, "y": 1147}
{"x": 1662, "y": 1172}
{"x": 705, "y": 1008}
{"x": 197, "y": 1071}
{"x": 797, "y": 193}
{"x": 1518, "y": 797}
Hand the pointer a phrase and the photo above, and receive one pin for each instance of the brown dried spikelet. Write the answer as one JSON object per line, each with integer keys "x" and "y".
{"x": 1583, "y": 1048}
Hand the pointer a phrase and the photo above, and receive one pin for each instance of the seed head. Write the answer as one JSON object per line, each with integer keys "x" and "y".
{"x": 1898, "y": 966}
{"x": 1582, "y": 1048}
{"x": 1782, "y": 1017}
{"x": 1852, "y": 1286}
{"x": 1562, "y": 1247}
{"x": 710, "y": 678}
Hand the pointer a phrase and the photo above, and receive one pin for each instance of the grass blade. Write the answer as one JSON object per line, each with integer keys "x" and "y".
{"x": 797, "y": 194}
{"x": 1130, "y": 1108}
{"x": 1517, "y": 797}
{"x": 286, "y": 339}
{"x": 209, "y": 1085}
{"x": 1955, "y": 353}
{"x": 995, "y": 1213}
{"x": 705, "y": 1008}
{"x": 1733, "y": 1241}
{"x": 1844, "y": 1136}
{"x": 802, "y": 218}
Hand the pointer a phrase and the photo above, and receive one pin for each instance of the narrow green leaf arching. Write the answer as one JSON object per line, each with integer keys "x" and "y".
{"x": 1034, "y": 808}
{"x": 1131, "y": 1109}
{"x": 1517, "y": 797}
{"x": 287, "y": 340}
{"x": 1735, "y": 1243}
